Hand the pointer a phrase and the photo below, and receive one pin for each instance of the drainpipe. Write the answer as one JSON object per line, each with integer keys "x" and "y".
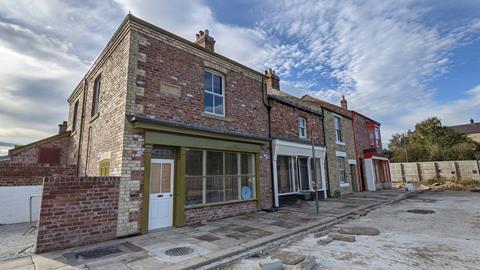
{"x": 326, "y": 156}
{"x": 356, "y": 154}
{"x": 82, "y": 116}
{"x": 267, "y": 104}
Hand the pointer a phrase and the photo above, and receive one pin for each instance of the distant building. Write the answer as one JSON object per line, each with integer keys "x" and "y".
{"x": 471, "y": 130}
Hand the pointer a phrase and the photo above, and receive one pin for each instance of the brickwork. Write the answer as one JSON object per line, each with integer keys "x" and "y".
{"x": 333, "y": 147}
{"x": 266, "y": 194}
{"x": 102, "y": 133}
{"x": 21, "y": 174}
{"x": 29, "y": 154}
{"x": 76, "y": 211}
{"x": 284, "y": 123}
{"x": 198, "y": 215}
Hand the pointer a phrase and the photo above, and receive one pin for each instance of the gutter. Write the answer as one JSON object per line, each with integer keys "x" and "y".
{"x": 326, "y": 157}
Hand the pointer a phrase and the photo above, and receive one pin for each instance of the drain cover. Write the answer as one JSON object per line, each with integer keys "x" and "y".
{"x": 179, "y": 251}
{"x": 421, "y": 211}
{"x": 98, "y": 252}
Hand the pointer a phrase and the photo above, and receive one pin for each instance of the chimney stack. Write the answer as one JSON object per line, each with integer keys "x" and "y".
{"x": 62, "y": 127}
{"x": 343, "y": 102}
{"x": 471, "y": 121}
{"x": 204, "y": 40}
{"x": 273, "y": 81}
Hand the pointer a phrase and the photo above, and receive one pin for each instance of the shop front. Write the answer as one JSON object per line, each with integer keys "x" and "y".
{"x": 194, "y": 176}
{"x": 293, "y": 169}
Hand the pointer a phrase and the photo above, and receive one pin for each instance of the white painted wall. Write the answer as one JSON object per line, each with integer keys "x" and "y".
{"x": 370, "y": 175}
{"x": 14, "y": 203}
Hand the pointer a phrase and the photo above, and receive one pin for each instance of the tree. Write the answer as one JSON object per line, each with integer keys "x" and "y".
{"x": 432, "y": 142}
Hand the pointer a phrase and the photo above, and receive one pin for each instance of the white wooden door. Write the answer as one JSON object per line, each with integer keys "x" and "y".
{"x": 160, "y": 213}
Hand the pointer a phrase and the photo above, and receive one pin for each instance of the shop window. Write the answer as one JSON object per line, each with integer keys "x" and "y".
{"x": 215, "y": 177}
{"x": 285, "y": 176}
{"x": 341, "y": 171}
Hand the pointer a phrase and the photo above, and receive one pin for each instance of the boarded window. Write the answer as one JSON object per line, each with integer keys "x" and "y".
{"x": 105, "y": 167}
{"x": 96, "y": 95}
{"x": 75, "y": 114}
{"x": 49, "y": 156}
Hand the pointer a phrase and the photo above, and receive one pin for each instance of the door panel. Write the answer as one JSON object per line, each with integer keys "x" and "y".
{"x": 161, "y": 194}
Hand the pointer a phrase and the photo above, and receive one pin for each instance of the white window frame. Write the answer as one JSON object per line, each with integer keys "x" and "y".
{"x": 302, "y": 128}
{"x": 338, "y": 119}
{"x": 343, "y": 182}
{"x": 215, "y": 94}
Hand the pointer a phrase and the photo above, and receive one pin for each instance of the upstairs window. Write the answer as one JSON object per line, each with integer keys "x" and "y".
{"x": 338, "y": 129}
{"x": 75, "y": 115}
{"x": 214, "y": 93}
{"x": 302, "y": 127}
{"x": 96, "y": 95}
{"x": 374, "y": 136}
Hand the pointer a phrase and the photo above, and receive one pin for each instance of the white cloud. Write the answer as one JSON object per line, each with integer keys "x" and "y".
{"x": 381, "y": 53}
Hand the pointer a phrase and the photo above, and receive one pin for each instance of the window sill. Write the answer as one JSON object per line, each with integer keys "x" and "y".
{"x": 94, "y": 117}
{"x": 339, "y": 143}
{"x": 344, "y": 185}
{"x": 216, "y": 116}
{"x": 219, "y": 204}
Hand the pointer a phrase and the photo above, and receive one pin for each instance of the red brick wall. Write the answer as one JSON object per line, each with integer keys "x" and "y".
{"x": 76, "y": 211}
{"x": 19, "y": 174}
{"x": 284, "y": 123}
{"x": 362, "y": 141}
{"x": 30, "y": 155}
{"x": 197, "y": 215}
{"x": 244, "y": 108}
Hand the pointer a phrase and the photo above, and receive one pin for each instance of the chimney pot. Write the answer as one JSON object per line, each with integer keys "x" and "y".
{"x": 62, "y": 127}
{"x": 205, "y": 40}
{"x": 343, "y": 103}
{"x": 471, "y": 121}
{"x": 273, "y": 81}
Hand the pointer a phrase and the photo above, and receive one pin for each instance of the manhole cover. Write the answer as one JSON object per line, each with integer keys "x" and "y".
{"x": 179, "y": 251}
{"x": 421, "y": 211}
{"x": 98, "y": 252}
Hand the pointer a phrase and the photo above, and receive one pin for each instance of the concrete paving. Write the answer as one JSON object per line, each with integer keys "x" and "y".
{"x": 217, "y": 240}
{"x": 13, "y": 242}
{"x": 446, "y": 239}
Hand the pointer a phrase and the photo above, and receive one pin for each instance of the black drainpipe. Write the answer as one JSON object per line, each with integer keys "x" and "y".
{"x": 326, "y": 155}
{"x": 82, "y": 116}
{"x": 267, "y": 104}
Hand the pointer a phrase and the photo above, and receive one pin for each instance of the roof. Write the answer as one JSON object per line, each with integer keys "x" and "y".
{"x": 292, "y": 101}
{"x": 33, "y": 144}
{"x": 126, "y": 25}
{"x": 330, "y": 107}
{"x": 467, "y": 128}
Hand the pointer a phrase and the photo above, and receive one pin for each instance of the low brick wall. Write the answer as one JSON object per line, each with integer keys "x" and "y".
{"x": 77, "y": 211}
{"x": 209, "y": 213}
{"x": 21, "y": 174}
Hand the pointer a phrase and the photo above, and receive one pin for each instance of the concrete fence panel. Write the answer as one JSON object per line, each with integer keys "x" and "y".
{"x": 424, "y": 171}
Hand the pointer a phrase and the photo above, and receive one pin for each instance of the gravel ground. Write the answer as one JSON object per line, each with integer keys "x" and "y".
{"x": 446, "y": 239}
{"x": 12, "y": 241}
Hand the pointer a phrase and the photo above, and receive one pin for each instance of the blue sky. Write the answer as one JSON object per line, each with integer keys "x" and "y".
{"x": 397, "y": 61}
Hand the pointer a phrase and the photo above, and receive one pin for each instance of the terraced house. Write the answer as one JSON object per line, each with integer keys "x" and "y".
{"x": 185, "y": 128}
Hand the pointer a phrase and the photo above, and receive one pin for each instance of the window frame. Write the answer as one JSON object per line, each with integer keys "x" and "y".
{"x": 75, "y": 115}
{"x": 374, "y": 137}
{"x": 97, "y": 86}
{"x": 338, "y": 130}
{"x": 222, "y": 76}
{"x": 239, "y": 176}
{"x": 342, "y": 173}
{"x": 302, "y": 128}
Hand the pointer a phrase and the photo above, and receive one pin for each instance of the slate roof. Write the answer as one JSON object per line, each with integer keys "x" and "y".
{"x": 293, "y": 101}
{"x": 467, "y": 128}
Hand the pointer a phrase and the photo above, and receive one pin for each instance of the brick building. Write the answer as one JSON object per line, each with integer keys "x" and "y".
{"x": 339, "y": 139}
{"x": 183, "y": 127}
{"x": 295, "y": 130}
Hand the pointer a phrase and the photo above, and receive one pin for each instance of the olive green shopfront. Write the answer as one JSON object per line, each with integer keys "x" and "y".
{"x": 208, "y": 171}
